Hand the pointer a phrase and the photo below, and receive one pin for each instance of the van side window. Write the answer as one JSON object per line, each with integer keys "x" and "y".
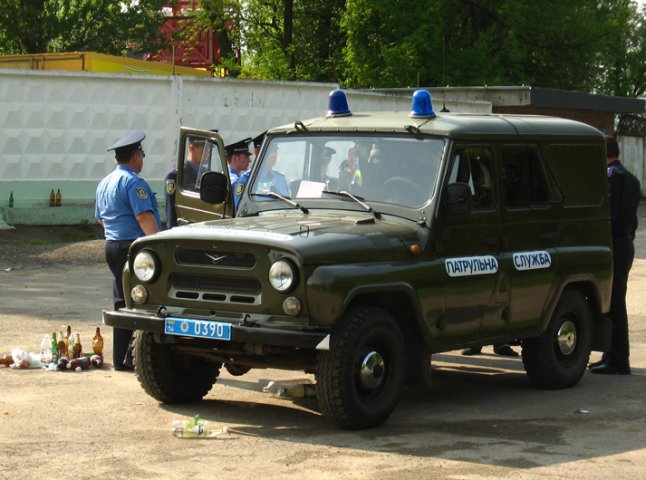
{"x": 526, "y": 179}
{"x": 474, "y": 165}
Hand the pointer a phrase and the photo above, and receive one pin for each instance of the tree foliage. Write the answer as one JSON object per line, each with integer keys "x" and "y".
{"x": 105, "y": 26}
{"x": 589, "y": 45}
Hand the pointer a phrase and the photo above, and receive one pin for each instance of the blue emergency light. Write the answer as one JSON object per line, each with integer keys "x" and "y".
{"x": 338, "y": 104}
{"x": 422, "y": 106}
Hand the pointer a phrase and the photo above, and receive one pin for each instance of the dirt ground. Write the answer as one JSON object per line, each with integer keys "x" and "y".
{"x": 481, "y": 419}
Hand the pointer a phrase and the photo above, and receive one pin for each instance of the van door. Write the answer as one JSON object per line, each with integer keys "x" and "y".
{"x": 531, "y": 218}
{"x": 474, "y": 300}
{"x": 199, "y": 151}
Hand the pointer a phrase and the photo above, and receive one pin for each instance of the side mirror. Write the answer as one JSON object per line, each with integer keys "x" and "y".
{"x": 458, "y": 198}
{"x": 214, "y": 187}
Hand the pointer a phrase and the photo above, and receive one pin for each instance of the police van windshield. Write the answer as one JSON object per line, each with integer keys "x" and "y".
{"x": 396, "y": 169}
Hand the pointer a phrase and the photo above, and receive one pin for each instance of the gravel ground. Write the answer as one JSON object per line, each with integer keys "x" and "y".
{"x": 27, "y": 245}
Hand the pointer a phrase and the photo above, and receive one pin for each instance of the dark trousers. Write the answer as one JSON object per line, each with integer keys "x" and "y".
{"x": 623, "y": 254}
{"x": 116, "y": 255}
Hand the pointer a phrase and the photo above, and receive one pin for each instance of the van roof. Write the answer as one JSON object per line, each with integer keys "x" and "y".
{"x": 458, "y": 125}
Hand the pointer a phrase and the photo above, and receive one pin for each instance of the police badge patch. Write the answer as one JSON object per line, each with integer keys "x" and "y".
{"x": 170, "y": 186}
{"x": 142, "y": 194}
{"x": 239, "y": 188}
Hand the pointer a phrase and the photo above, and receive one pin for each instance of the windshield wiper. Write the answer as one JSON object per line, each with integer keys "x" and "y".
{"x": 343, "y": 193}
{"x": 284, "y": 199}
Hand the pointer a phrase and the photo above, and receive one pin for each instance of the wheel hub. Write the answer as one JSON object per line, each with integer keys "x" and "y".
{"x": 372, "y": 370}
{"x": 566, "y": 337}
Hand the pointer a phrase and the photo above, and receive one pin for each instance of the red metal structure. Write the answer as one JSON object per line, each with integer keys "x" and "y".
{"x": 197, "y": 49}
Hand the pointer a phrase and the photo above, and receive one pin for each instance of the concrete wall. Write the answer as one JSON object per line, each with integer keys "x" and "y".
{"x": 633, "y": 152}
{"x": 55, "y": 128}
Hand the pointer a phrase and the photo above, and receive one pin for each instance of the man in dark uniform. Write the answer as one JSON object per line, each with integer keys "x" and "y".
{"x": 189, "y": 177}
{"x": 127, "y": 209}
{"x": 624, "y": 192}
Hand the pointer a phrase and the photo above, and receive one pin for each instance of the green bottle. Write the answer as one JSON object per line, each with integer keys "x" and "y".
{"x": 54, "y": 347}
{"x": 11, "y": 199}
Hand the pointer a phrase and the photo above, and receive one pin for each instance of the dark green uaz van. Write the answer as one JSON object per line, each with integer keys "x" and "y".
{"x": 364, "y": 243}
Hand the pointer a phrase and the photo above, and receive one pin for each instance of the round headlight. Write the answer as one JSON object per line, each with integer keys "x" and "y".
{"x": 292, "y": 306}
{"x": 139, "y": 294}
{"x": 281, "y": 275}
{"x": 144, "y": 266}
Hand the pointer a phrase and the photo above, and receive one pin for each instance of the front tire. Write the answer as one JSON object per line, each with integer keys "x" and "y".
{"x": 559, "y": 356}
{"x": 360, "y": 379}
{"x": 171, "y": 377}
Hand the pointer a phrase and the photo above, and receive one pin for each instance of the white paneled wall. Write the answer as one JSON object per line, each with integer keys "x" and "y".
{"x": 55, "y": 127}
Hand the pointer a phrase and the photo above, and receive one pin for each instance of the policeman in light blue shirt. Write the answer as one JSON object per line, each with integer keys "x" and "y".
{"x": 238, "y": 159}
{"x": 127, "y": 209}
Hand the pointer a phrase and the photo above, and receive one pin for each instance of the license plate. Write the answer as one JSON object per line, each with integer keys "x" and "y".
{"x": 197, "y": 328}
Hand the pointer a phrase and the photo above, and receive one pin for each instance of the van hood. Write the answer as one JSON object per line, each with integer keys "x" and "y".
{"x": 320, "y": 237}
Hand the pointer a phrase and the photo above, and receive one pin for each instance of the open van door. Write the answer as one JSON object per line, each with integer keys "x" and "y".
{"x": 199, "y": 152}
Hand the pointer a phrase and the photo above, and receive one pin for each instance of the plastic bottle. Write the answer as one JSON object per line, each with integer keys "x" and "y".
{"x": 96, "y": 361}
{"x": 97, "y": 342}
{"x": 46, "y": 349}
{"x": 291, "y": 389}
{"x": 59, "y": 198}
{"x": 11, "y": 199}
{"x": 62, "y": 363}
{"x": 52, "y": 198}
{"x": 195, "y": 428}
{"x": 6, "y": 360}
{"x": 81, "y": 363}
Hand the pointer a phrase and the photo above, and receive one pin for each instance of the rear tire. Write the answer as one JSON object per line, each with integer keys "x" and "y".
{"x": 360, "y": 379}
{"x": 559, "y": 356}
{"x": 171, "y": 377}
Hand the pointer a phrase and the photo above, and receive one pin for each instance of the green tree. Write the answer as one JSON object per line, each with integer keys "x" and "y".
{"x": 104, "y": 26}
{"x": 284, "y": 39}
{"x": 578, "y": 45}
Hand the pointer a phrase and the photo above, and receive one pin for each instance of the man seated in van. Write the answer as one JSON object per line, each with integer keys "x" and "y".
{"x": 189, "y": 177}
{"x": 269, "y": 179}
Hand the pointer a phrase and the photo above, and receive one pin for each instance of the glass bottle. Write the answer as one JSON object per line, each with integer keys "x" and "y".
{"x": 97, "y": 342}
{"x": 54, "y": 347}
{"x": 77, "y": 347}
{"x": 59, "y": 198}
{"x": 52, "y": 198}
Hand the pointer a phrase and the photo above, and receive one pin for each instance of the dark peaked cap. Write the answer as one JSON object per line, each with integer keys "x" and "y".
{"x": 129, "y": 143}
{"x": 257, "y": 141}
{"x": 239, "y": 147}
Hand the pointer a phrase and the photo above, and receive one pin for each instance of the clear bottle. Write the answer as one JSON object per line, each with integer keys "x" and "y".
{"x": 97, "y": 342}
{"x": 195, "y": 428}
{"x": 291, "y": 389}
{"x": 46, "y": 349}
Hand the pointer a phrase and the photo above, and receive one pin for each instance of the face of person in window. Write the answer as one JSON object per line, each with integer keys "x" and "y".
{"x": 195, "y": 152}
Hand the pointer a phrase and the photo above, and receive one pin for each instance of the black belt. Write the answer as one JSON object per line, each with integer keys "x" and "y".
{"x": 121, "y": 243}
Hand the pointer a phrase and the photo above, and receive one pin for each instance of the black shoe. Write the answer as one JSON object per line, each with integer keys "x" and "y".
{"x": 610, "y": 369}
{"x": 505, "y": 350}
{"x": 596, "y": 364}
{"x": 472, "y": 351}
